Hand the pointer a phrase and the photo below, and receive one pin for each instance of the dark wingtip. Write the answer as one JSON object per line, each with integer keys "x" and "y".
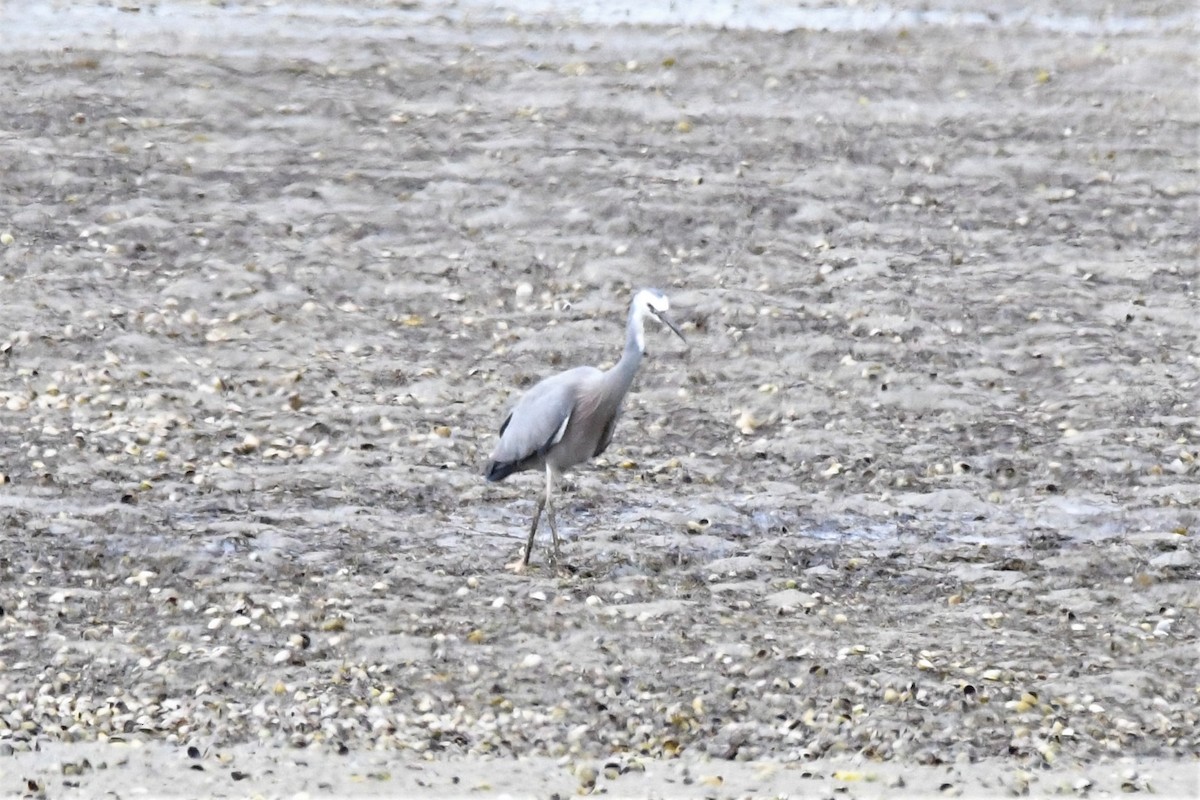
{"x": 498, "y": 471}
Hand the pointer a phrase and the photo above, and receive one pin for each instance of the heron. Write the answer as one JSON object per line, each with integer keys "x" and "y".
{"x": 568, "y": 418}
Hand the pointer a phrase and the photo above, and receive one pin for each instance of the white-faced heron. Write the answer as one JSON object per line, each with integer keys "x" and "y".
{"x": 568, "y": 418}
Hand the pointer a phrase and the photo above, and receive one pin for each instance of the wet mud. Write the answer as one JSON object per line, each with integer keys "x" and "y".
{"x": 919, "y": 498}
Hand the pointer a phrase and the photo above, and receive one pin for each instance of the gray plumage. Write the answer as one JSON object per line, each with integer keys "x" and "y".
{"x": 569, "y": 418}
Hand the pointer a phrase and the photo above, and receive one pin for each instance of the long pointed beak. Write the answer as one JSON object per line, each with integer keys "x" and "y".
{"x": 665, "y": 318}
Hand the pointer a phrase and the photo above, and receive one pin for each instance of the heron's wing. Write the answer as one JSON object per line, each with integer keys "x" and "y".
{"x": 540, "y": 417}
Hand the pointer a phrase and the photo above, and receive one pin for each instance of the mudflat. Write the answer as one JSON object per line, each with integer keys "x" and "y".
{"x": 913, "y": 512}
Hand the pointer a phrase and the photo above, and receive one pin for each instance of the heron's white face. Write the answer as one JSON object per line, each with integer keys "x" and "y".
{"x": 653, "y": 300}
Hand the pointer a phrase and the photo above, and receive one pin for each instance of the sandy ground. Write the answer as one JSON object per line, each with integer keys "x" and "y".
{"x": 914, "y": 511}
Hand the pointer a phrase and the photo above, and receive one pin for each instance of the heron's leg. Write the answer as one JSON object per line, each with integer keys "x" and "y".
{"x": 550, "y": 503}
{"x": 537, "y": 515}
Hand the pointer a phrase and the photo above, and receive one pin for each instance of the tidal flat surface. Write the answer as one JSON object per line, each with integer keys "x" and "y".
{"x": 913, "y": 512}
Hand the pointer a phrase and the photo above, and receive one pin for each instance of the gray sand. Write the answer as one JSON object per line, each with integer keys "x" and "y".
{"x": 914, "y": 512}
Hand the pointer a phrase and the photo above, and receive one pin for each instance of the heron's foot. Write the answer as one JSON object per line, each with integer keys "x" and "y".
{"x": 517, "y": 567}
{"x": 561, "y": 568}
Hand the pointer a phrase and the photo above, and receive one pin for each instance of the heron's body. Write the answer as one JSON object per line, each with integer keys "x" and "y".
{"x": 567, "y": 398}
{"x": 570, "y": 417}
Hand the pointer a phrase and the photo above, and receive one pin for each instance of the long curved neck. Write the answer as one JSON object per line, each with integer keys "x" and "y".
{"x": 621, "y": 374}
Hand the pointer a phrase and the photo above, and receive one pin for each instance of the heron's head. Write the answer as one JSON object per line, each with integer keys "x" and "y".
{"x": 654, "y": 303}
